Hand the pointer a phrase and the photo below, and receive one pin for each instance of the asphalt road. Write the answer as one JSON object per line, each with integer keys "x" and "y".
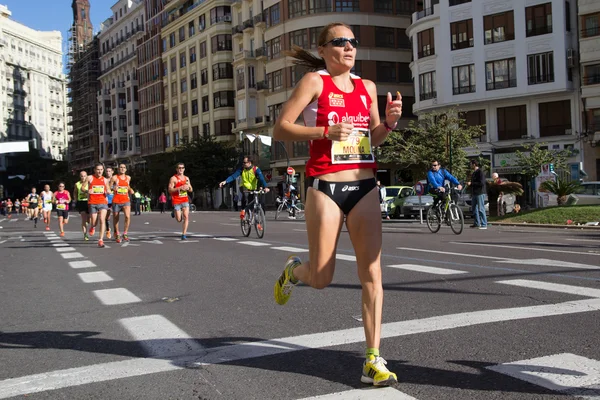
{"x": 506, "y": 313}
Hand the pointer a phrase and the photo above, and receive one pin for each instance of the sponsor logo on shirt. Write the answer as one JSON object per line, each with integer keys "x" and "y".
{"x": 336, "y": 100}
{"x": 359, "y": 119}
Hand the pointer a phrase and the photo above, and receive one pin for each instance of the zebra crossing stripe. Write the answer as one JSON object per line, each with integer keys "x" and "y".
{"x": 386, "y": 393}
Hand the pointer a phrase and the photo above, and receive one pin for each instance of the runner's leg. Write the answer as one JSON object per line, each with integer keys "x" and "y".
{"x": 186, "y": 218}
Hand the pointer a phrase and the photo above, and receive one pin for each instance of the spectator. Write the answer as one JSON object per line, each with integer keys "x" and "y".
{"x": 137, "y": 199}
{"x": 162, "y": 202}
{"x": 382, "y": 196}
{"x": 478, "y": 191}
{"x": 498, "y": 181}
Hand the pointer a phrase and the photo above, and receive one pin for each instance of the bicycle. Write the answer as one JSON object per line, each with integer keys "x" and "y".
{"x": 295, "y": 211}
{"x": 447, "y": 212}
{"x": 254, "y": 215}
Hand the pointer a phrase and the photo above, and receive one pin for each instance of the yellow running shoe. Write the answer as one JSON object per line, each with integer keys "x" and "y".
{"x": 375, "y": 372}
{"x": 284, "y": 285}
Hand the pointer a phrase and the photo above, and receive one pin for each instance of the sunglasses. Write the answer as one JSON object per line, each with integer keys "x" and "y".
{"x": 434, "y": 165}
{"x": 341, "y": 42}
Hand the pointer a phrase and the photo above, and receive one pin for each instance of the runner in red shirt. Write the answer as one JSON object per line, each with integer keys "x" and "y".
{"x": 62, "y": 198}
{"x": 342, "y": 124}
{"x": 121, "y": 186}
{"x": 98, "y": 189}
{"x": 179, "y": 186}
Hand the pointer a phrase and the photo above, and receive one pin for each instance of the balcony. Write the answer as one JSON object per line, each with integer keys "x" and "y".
{"x": 427, "y": 96}
{"x": 237, "y": 30}
{"x": 222, "y": 18}
{"x": 259, "y": 20}
{"x": 262, "y": 119}
{"x": 592, "y": 80}
{"x": 262, "y": 85}
{"x": 426, "y": 52}
{"x": 501, "y": 84}
{"x": 238, "y": 56}
{"x": 424, "y": 13}
{"x": 590, "y": 32}
{"x": 534, "y": 80}
{"x": 248, "y": 25}
{"x": 463, "y": 90}
{"x": 261, "y": 53}
{"x": 249, "y": 54}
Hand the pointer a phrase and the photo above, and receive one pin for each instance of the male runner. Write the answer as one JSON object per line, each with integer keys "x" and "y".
{"x": 179, "y": 186}
{"x": 109, "y": 198}
{"x": 80, "y": 192}
{"x": 33, "y": 199}
{"x": 121, "y": 187}
{"x": 47, "y": 196}
{"x": 62, "y": 198}
{"x": 97, "y": 190}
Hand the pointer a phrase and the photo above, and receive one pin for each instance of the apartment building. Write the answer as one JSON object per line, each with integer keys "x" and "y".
{"x": 265, "y": 78}
{"x": 589, "y": 48}
{"x": 33, "y": 101}
{"x": 510, "y": 66}
{"x": 150, "y": 79}
{"x": 198, "y": 73}
{"x": 118, "y": 107}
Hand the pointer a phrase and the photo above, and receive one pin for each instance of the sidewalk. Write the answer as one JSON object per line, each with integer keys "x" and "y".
{"x": 553, "y": 226}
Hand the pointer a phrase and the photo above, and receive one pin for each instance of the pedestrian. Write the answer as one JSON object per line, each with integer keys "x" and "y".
{"x": 162, "y": 201}
{"x": 342, "y": 127}
{"x": 148, "y": 203}
{"x": 137, "y": 199}
{"x": 382, "y": 196}
{"x": 496, "y": 179}
{"x": 478, "y": 190}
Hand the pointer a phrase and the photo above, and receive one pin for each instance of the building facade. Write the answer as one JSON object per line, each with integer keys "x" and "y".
{"x": 118, "y": 100}
{"x": 198, "y": 73}
{"x": 589, "y": 48}
{"x": 33, "y": 105}
{"x": 509, "y": 66}
{"x": 265, "y": 77}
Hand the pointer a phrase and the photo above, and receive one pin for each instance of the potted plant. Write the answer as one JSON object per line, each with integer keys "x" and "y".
{"x": 562, "y": 188}
{"x": 495, "y": 188}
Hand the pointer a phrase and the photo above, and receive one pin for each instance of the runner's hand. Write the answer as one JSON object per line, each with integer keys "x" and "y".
{"x": 393, "y": 109}
{"x": 340, "y": 131}
{"x": 222, "y": 184}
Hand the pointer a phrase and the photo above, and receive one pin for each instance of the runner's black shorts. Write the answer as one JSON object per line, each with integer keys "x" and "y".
{"x": 82, "y": 206}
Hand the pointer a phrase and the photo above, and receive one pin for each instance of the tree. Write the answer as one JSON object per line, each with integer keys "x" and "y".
{"x": 531, "y": 164}
{"x": 561, "y": 188}
{"x": 441, "y": 136}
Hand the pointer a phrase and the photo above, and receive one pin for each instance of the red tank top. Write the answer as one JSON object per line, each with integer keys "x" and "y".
{"x": 62, "y": 200}
{"x": 332, "y": 107}
{"x": 122, "y": 191}
{"x": 181, "y": 196}
{"x": 97, "y": 193}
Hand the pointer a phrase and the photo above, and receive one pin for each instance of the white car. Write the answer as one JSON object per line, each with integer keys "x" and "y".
{"x": 589, "y": 193}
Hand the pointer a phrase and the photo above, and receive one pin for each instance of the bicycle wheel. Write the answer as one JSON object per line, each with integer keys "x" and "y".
{"x": 299, "y": 210}
{"x": 279, "y": 208}
{"x": 259, "y": 223}
{"x": 433, "y": 220}
{"x": 246, "y": 224}
{"x": 192, "y": 208}
{"x": 456, "y": 219}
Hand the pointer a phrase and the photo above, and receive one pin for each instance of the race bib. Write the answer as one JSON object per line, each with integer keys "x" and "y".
{"x": 98, "y": 189}
{"x": 48, "y": 201}
{"x": 356, "y": 149}
{"x": 182, "y": 193}
{"x": 122, "y": 190}
{"x": 61, "y": 206}
{"x": 34, "y": 200}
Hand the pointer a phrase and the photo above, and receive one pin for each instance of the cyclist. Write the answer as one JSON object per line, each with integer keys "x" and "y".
{"x": 251, "y": 177}
{"x": 179, "y": 186}
{"x": 435, "y": 182}
{"x": 342, "y": 126}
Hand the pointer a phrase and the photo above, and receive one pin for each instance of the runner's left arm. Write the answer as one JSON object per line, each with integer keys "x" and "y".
{"x": 189, "y": 183}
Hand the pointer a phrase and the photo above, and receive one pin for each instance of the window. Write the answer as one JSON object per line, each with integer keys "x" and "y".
{"x": 461, "y": 34}
{"x": 463, "y": 79}
{"x": 206, "y": 129}
{"x": 205, "y": 104}
{"x": 591, "y": 74}
{"x": 538, "y": 19}
{"x": 191, "y": 29}
{"x": 386, "y": 71}
{"x": 356, "y": 70}
{"x": 555, "y": 118}
{"x": 404, "y": 73}
{"x": 540, "y": 68}
{"x": 297, "y": 8}
{"x": 184, "y": 110}
{"x": 499, "y": 27}
{"x": 224, "y": 99}
{"x": 240, "y": 78}
{"x": 222, "y": 71}
{"x": 405, "y": 7}
{"x": 276, "y": 80}
{"x": 427, "y": 86}
{"x": 512, "y": 122}
{"x": 173, "y": 64}
{"x": 383, "y": 6}
{"x": 204, "y": 77}
{"x": 164, "y": 45}
{"x": 220, "y": 14}
{"x": 182, "y": 60}
{"x": 298, "y": 71}
{"x": 192, "y": 55}
{"x": 457, "y": 2}
{"x": 274, "y": 48}
{"x": 173, "y": 88}
{"x": 319, "y": 6}
{"x": 193, "y": 81}
{"x": 221, "y": 43}
{"x": 194, "y": 107}
{"x": 175, "y": 113}
{"x": 347, "y": 6}
{"x": 195, "y": 133}
{"x": 426, "y": 44}
{"x": 172, "y": 42}
{"x": 273, "y": 15}
{"x": 202, "y": 22}
{"x": 167, "y": 140}
{"x": 299, "y": 38}
{"x": 402, "y": 41}
{"x": 182, "y": 34}
{"x": 313, "y": 36}
{"x": 500, "y": 74}
{"x": 475, "y": 118}
{"x": 384, "y": 37}
{"x": 202, "y": 49}
{"x": 176, "y": 139}
{"x": 591, "y": 25}
{"x": 183, "y": 85}
{"x": 223, "y": 127}
{"x": 567, "y": 16}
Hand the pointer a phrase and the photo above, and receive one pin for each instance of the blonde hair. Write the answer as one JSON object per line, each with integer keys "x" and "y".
{"x": 305, "y": 58}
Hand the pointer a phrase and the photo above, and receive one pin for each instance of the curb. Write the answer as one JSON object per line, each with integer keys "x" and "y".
{"x": 552, "y": 226}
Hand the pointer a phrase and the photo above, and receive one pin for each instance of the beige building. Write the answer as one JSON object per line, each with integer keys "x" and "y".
{"x": 265, "y": 77}
{"x": 198, "y": 74}
{"x": 589, "y": 47}
{"x": 33, "y": 105}
{"x": 118, "y": 107}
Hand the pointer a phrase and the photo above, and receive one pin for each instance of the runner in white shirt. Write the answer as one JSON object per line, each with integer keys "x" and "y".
{"x": 47, "y": 196}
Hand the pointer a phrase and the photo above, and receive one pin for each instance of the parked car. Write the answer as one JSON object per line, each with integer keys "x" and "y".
{"x": 589, "y": 193}
{"x": 411, "y": 205}
{"x": 394, "y": 197}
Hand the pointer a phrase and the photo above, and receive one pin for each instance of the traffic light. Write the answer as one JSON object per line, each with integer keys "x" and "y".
{"x": 552, "y": 168}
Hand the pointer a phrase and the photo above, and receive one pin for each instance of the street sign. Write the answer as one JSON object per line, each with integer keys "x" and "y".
{"x": 291, "y": 171}
{"x": 420, "y": 189}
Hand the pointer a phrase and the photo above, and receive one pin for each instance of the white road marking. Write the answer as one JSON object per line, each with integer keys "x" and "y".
{"x": 51, "y": 237}
{"x": 63, "y": 249}
{"x": 567, "y": 373}
{"x": 225, "y": 239}
{"x": 189, "y": 241}
{"x": 69, "y": 256}
{"x": 160, "y": 337}
{"x": 450, "y": 253}
{"x": 152, "y": 241}
{"x": 222, "y": 223}
{"x": 503, "y": 246}
{"x": 137, "y": 367}
{"x": 290, "y": 249}
{"x": 94, "y": 277}
{"x": 57, "y": 244}
{"x": 81, "y": 264}
{"x": 553, "y": 287}
{"x": 251, "y": 243}
{"x": 300, "y": 230}
{"x": 3, "y": 219}
{"x": 127, "y": 244}
{"x": 345, "y": 257}
{"x": 584, "y": 240}
{"x": 427, "y": 270}
{"x": 386, "y": 393}
{"x": 200, "y": 235}
{"x": 549, "y": 263}
{"x": 3, "y": 241}
{"x": 14, "y": 220}
{"x": 112, "y": 297}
